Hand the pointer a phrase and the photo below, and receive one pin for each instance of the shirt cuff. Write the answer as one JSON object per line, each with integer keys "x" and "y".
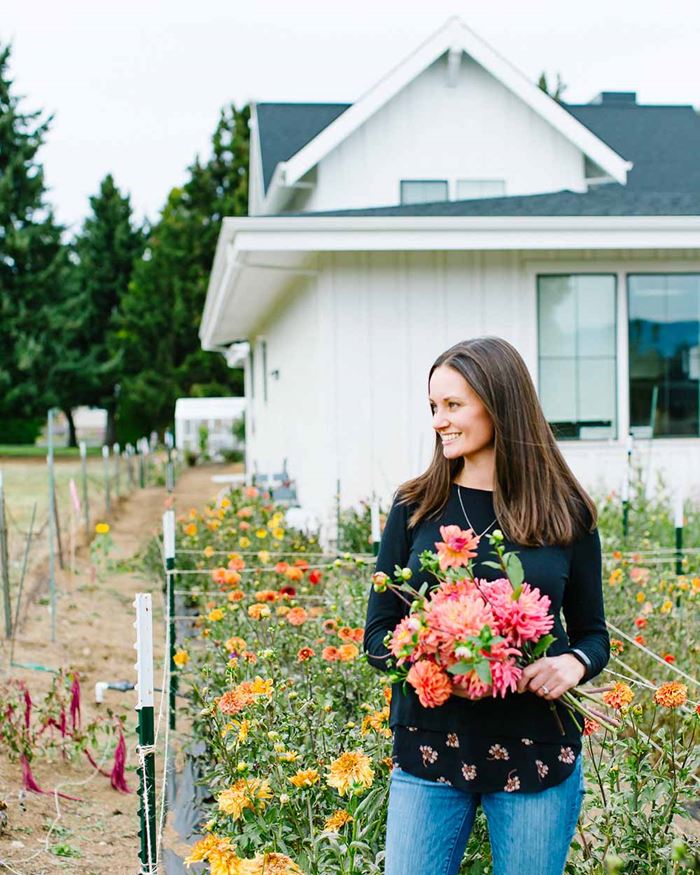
{"x": 583, "y": 659}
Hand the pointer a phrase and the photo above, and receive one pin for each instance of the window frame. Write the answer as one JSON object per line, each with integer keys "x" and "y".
{"x": 542, "y": 274}
{"x": 650, "y": 273}
{"x": 413, "y": 203}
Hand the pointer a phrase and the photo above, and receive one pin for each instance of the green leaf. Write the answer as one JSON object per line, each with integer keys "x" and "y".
{"x": 483, "y": 670}
{"x": 514, "y": 568}
{"x": 542, "y": 646}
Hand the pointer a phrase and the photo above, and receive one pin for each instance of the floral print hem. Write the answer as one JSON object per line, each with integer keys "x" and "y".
{"x": 478, "y": 765}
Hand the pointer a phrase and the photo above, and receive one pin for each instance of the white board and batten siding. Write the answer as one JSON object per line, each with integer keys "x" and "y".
{"x": 475, "y": 129}
{"x": 353, "y": 347}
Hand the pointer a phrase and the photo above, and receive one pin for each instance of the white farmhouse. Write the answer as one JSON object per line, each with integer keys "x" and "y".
{"x": 456, "y": 199}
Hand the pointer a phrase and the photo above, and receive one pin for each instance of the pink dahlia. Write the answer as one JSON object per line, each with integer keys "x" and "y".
{"x": 405, "y": 638}
{"x": 454, "y": 619}
{"x": 456, "y": 548}
{"x": 526, "y": 618}
{"x": 432, "y": 684}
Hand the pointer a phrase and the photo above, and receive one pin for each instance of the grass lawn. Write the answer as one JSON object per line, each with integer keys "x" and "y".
{"x": 26, "y": 451}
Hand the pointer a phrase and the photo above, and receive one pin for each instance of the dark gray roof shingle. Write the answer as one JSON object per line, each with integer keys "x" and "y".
{"x": 608, "y": 200}
{"x": 285, "y": 128}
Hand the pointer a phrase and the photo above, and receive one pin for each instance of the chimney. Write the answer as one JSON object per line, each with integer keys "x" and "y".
{"x": 608, "y": 98}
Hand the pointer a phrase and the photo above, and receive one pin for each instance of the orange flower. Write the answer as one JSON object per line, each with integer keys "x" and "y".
{"x": 616, "y": 646}
{"x": 669, "y": 658}
{"x": 456, "y": 548}
{"x": 302, "y": 563}
{"x": 432, "y": 683}
{"x": 251, "y": 492}
{"x": 329, "y": 626}
{"x": 236, "y": 564}
{"x": 348, "y": 652}
{"x": 590, "y": 726}
{"x": 305, "y": 653}
{"x": 617, "y": 554}
{"x": 619, "y": 696}
{"x": 345, "y": 633}
{"x": 244, "y": 526}
{"x": 294, "y": 574}
{"x": 191, "y": 530}
{"x": 235, "y": 644}
{"x": 257, "y": 611}
{"x": 235, "y": 596}
{"x": 640, "y": 639}
{"x": 640, "y": 622}
{"x": 297, "y": 616}
{"x": 244, "y": 513}
{"x": 671, "y": 695}
{"x": 266, "y": 595}
{"x": 305, "y": 778}
{"x": 387, "y": 694}
{"x": 330, "y": 654}
{"x": 281, "y": 567}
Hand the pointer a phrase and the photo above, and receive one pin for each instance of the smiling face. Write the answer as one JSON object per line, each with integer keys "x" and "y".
{"x": 460, "y": 418}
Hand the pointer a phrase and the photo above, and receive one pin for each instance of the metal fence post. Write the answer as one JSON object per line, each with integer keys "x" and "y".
{"x": 146, "y": 733}
{"x": 169, "y": 553}
{"x": 5, "y": 560}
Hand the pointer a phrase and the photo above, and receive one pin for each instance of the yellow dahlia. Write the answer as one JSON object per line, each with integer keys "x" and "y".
{"x": 271, "y": 864}
{"x": 350, "y": 773}
{"x": 305, "y": 778}
{"x": 337, "y": 820}
{"x": 245, "y": 793}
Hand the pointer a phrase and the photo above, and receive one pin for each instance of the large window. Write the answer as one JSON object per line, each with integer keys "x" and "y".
{"x": 423, "y": 191}
{"x": 577, "y": 362}
{"x": 664, "y": 354}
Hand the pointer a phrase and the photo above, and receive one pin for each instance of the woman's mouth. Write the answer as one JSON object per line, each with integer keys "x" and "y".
{"x": 448, "y": 437}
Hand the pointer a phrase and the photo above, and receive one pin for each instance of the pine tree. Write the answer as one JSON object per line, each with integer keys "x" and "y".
{"x": 105, "y": 251}
{"x": 32, "y": 260}
{"x": 158, "y": 337}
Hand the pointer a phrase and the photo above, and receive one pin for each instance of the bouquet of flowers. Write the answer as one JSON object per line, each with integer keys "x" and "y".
{"x": 470, "y": 634}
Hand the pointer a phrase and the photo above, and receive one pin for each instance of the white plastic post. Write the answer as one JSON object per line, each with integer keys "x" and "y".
{"x": 374, "y": 516}
{"x": 105, "y": 465}
{"x": 144, "y": 649}
{"x": 169, "y": 534}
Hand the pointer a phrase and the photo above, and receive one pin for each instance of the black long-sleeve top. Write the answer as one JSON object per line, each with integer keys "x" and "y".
{"x": 569, "y": 575}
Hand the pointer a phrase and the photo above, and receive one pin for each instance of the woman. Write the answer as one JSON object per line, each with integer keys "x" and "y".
{"x": 496, "y": 465}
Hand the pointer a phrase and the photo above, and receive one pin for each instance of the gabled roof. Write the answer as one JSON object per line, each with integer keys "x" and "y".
{"x": 607, "y": 200}
{"x": 453, "y": 37}
{"x": 663, "y": 142}
{"x": 285, "y": 128}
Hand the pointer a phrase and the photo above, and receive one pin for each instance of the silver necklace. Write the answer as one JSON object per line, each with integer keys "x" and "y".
{"x": 459, "y": 495}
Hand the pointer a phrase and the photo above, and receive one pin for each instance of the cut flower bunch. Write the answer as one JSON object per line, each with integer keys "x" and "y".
{"x": 470, "y": 634}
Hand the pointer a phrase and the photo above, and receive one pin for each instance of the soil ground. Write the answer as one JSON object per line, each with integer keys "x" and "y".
{"x": 94, "y": 637}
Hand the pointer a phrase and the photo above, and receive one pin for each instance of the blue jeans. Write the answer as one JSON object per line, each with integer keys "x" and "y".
{"x": 429, "y": 824}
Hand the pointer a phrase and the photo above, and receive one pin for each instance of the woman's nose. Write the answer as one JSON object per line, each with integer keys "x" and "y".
{"x": 439, "y": 420}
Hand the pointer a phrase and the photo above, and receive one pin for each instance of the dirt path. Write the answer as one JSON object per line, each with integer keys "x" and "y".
{"x": 94, "y": 637}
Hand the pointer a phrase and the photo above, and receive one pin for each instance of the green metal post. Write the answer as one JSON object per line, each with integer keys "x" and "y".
{"x": 148, "y": 851}
{"x": 5, "y": 561}
{"x": 169, "y": 553}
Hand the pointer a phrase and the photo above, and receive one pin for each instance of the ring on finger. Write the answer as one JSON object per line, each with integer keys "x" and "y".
{"x": 545, "y": 689}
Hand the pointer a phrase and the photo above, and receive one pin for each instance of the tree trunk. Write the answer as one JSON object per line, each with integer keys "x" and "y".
{"x": 111, "y": 429}
{"x": 72, "y": 436}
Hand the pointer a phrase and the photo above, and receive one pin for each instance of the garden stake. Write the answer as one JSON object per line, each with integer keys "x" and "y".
{"x": 146, "y": 748}
{"x": 105, "y": 468}
{"x": 142, "y": 473}
{"x": 678, "y": 525}
{"x": 375, "y": 526}
{"x": 169, "y": 472}
{"x": 52, "y": 526}
{"x": 21, "y": 582}
{"x": 83, "y": 472}
{"x": 169, "y": 553}
{"x": 116, "y": 450}
{"x": 5, "y": 560}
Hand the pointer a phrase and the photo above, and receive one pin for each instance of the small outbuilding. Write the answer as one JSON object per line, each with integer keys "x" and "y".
{"x": 208, "y": 419}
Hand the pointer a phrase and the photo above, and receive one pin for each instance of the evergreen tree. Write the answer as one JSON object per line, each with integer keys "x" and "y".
{"x": 158, "y": 338}
{"x": 105, "y": 252}
{"x": 32, "y": 260}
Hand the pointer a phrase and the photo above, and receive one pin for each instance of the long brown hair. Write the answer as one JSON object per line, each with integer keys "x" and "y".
{"x": 536, "y": 498}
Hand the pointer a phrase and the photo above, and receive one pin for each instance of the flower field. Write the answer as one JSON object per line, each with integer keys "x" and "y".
{"x": 295, "y": 721}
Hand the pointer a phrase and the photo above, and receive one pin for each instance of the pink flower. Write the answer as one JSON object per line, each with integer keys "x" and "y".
{"x": 505, "y": 673}
{"x": 526, "y": 618}
{"x": 453, "y": 619}
{"x": 457, "y": 546}
{"x": 405, "y": 638}
{"x": 432, "y": 684}
{"x": 472, "y": 685}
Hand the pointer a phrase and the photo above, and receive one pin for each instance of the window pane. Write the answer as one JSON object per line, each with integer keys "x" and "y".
{"x": 595, "y": 304}
{"x": 475, "y": 188}
{"x": 664, "y": 344}
{"x": 557, "y": 316}
{"x": 577, "y": 355}
{"x": 423, "y": 191}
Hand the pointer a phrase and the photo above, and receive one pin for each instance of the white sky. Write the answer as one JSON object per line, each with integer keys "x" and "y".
{"x": 136, "y": 85}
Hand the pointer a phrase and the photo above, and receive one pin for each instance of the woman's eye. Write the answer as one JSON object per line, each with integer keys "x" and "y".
{"x": 453, "y": 404}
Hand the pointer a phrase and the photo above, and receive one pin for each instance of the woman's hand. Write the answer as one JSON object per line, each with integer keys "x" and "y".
{"x": 551, "y": 676}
